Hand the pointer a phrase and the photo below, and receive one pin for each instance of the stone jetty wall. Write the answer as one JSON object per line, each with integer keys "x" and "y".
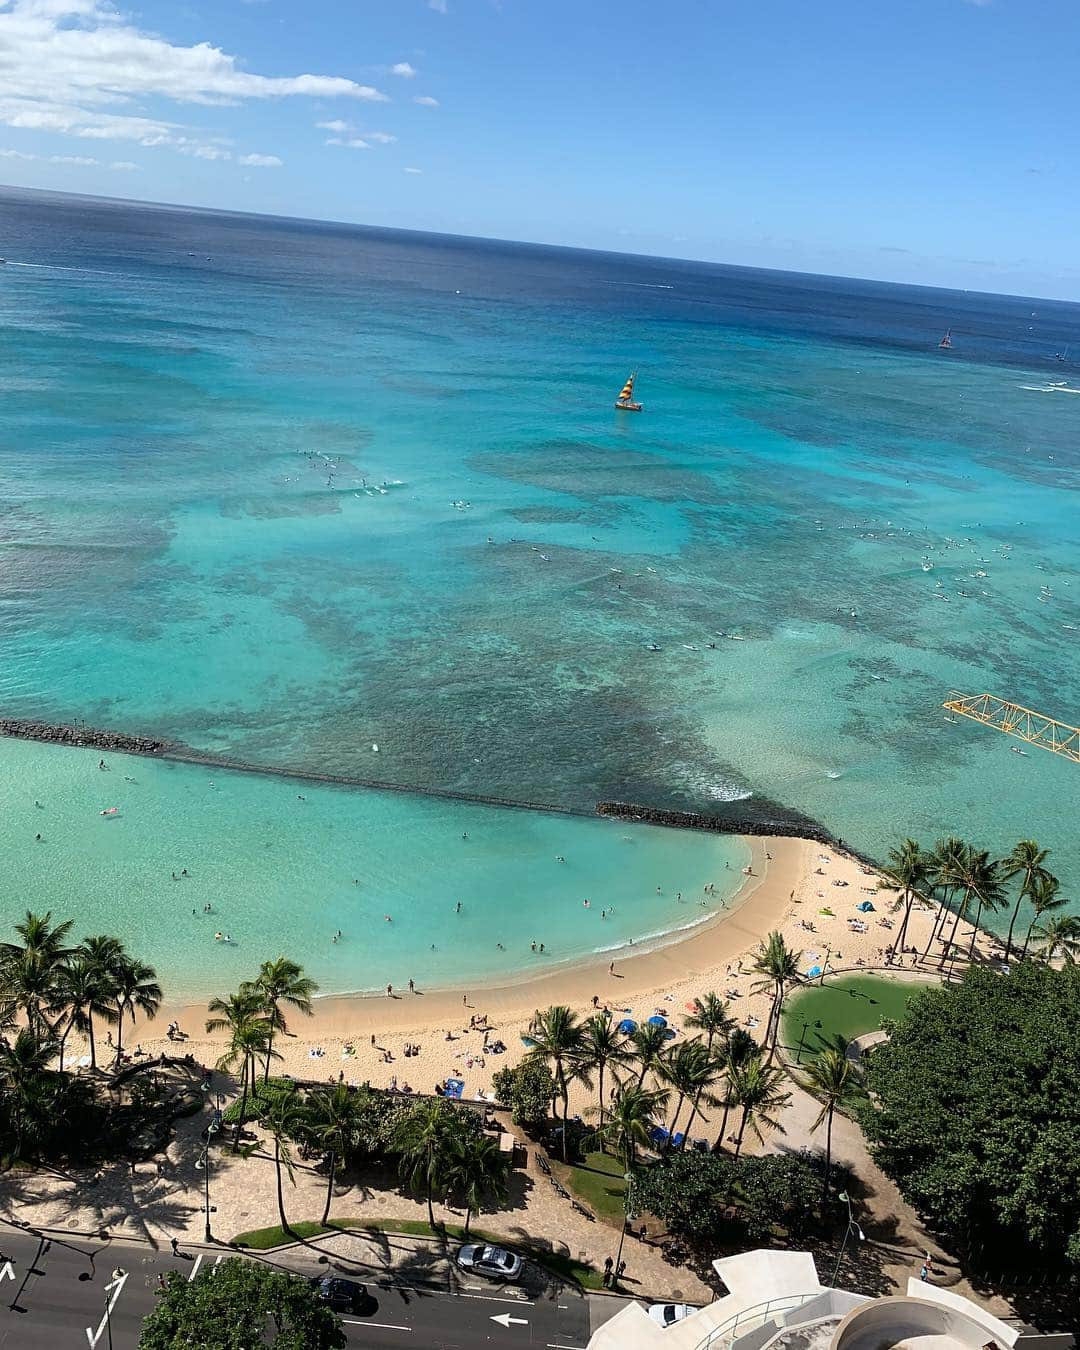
{"x": 772, "y": 820}
{"x": 95, "y": 738}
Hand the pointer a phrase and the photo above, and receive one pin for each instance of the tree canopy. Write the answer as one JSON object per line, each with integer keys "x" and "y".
{"x": 710, "y": 1198}
{"x": 240, "y": 1305}
{"x": 975, "y": 1111}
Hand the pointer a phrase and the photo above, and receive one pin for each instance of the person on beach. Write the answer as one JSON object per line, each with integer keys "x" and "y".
{"x": 389, "y": 991}
{"x": 611, "y": 968}
{"x": 412, "y": 987}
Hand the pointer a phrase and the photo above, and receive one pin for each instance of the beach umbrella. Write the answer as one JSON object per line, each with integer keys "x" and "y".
{"x": 866, "y": 906}
{"x": 627, "y": 1025}
{"x": 813, "y": 972}
{"x": 658, "y": 1021}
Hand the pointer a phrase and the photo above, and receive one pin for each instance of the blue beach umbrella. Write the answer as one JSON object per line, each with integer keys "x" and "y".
{"x": 867, "y": 906}
{"x": 658, "y": 1021}
{"x": 627, "y": 1025}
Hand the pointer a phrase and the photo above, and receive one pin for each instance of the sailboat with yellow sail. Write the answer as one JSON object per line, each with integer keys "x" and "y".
{"x": 625, "y": 401}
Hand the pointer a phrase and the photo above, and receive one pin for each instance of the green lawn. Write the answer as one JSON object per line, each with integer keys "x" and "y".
{"x": 574, "y": 1272}
{"x": 597, "y": 1182}
{"x": 848, "y": 1006}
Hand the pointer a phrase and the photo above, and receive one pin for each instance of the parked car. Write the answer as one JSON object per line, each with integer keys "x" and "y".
{"x": 667, "y": 1314}
{"x": 494, "y": 1262}
{"x": 342, "y": 1295}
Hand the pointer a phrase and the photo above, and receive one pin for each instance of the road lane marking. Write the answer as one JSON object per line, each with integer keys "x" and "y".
{"x": 384, "y": 1326}
{"x": 491, "y": 1298}
{"x": 118, "y": 1286}
{"x": 195, "y": 1267}
{"x": 7, "y": 1273}
{"x": 505, "y": 1320}
{"x": 556, "y": 1345}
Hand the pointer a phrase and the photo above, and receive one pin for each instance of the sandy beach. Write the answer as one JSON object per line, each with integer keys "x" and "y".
{"x": 363, "y": 1038}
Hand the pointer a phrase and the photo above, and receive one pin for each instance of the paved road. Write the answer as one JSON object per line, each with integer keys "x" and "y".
{"x": 54, "y": 1295}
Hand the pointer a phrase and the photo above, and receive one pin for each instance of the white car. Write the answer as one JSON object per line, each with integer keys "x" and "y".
{"x": 494, "y": 1262}
{"x": 667, "y": 1314}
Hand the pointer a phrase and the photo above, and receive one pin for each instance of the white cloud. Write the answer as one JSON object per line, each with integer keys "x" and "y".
{"x": 337, "y": 126}
{"x": 124, "y": 165}
{"x": 426, "y": 101}
{"x": 79, "y": 161}
{"x": 380, "y": 137}
{"x": 212, "y": 152}
{"x": 80, "y": 68}
{"x": 403, "y": 69}
{"x": 439, "y": 6}
{"x": 352, "y": 142}
{"x": 261, "y": 161}
{"x": 409, "y": 169}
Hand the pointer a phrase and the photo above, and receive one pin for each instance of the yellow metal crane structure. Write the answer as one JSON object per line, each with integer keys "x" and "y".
{"x": 1033, "y": 727}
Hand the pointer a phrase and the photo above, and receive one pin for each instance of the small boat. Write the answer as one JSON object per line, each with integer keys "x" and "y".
{"x": 625, "y": 401}
{"x": 1059, "y": 356}
{"x": 946, "y": 341}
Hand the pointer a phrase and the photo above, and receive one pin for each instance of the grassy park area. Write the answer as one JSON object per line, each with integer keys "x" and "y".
{"x": 848, "y": 1006}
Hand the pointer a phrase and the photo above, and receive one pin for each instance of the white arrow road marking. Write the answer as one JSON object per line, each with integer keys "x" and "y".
{"x": 117, "y": 1286}
{"x": 7, "y": 1273}
{"x": 195, "y": 1267}
{"x": 505, "y": 1320}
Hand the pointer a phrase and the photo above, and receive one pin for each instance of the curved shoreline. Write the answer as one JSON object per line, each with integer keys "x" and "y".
{"x": 722, "y": 937}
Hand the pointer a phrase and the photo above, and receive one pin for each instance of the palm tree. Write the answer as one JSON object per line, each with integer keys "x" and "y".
{"x": 686, "y": 1069}
{"x": 556, "y": 1035}
{"x": 135, "y": 988}
{"x": 1060, "y": 934}
{"x": 943, "y": 861}
{"x": 976, "y": 877}
{"x": 250, "y": 1033}
{"x": 755, "y": 1087}
{"x": 907, "y": 873}
{"x": 423, "y": 1139}
{"x": 635, "y": 1112}
{"x": 331, "y": 1116}
{"x": 1044, "y": 900}
{"x": 712, "y": 1016}
{"x": 24, "y": 1067}
{"x": 778, "y": 966}
{"x": 284, "y": 1117}
{"x": 704, "y": 1076}
{"x": 477, "y": 1171}
{"x": 739, "y": 1050}
{"x": 30, "y": 983}
{"x": 834, "y": 1078}
{"x": 283, "y": 981}
{"x": 41, "y": 939}
{"x": 84, "y": 990}
{"x": 1025, "y": 861}
{"x": 649, "y": 1041}
{"x": 602, "y": 1045}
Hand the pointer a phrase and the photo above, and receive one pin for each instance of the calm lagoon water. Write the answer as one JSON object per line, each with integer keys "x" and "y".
{"x": 286, "y": 864}
{"x": 288, "y": 491}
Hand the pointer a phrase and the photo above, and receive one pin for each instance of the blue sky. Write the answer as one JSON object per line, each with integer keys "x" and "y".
{"x": 913, "y": 140}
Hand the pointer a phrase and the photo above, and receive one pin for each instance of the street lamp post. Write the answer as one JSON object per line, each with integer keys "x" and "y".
{"x": 851, "y": 1224}
{"x": 628, "y": 1177}
{"x": 825, "y": 964}
{"x": 802, "y": 1038}
{"x": 204, "y": 1163}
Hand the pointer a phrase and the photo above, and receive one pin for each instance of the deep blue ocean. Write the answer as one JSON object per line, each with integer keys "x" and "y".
{"x": 290, "y": 490}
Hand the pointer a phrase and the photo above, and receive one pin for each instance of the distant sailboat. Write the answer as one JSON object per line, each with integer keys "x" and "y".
{"x": 625, "y": 401}
{"x": 946, "y": 341}
{"x": 1060, "y": 356}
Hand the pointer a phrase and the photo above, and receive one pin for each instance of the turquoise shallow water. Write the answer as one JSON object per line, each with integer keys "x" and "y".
{"x": 287, "y": 491}
{"x": 285, "y": 865}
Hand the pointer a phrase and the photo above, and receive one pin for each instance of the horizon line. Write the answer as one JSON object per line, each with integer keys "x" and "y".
{"x": 525, "y": 243}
